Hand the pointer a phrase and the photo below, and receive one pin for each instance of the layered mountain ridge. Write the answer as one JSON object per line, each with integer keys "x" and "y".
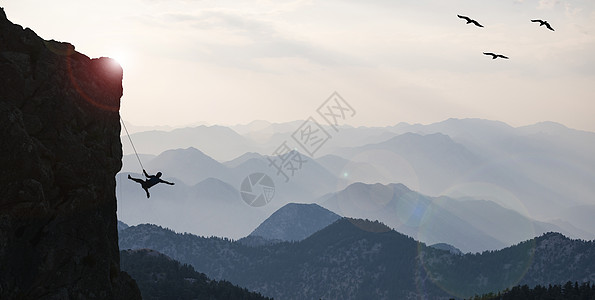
{"x": 359, "y": 259}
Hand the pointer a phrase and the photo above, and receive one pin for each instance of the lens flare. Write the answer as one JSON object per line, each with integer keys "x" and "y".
{"x": 455, "y": 274}
{"x": 370, "y": 180}
{"x": 120, "y": 59}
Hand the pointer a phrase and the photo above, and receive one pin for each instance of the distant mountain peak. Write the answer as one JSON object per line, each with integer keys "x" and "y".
{"x": 367, "y": 225}
{"x": 243, "y": 158}
{"x": 256, "y": 124}
{"x": 550, "y": 237}
{"x": 216, "y": 185}
{"x": 214, "y": 181}
{"x": 447, "y": 247}
{"x": 362, "y": 191}
{"x": 413, "y": 138}
{"x": 189, "y": 153}
{"x": 551, "y": 124}
{"x": 184, "y": 151}
{"x": 295, "y": 222}
{"x": 148, "y": 252}
{"x": 548, "y": 127}
{"x": 474, "y": 121}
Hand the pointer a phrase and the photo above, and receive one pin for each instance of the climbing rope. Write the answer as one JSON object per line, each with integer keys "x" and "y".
{"x": 131, "y": 143}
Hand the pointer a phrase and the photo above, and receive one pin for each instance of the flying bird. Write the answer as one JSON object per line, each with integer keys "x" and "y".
{"x": 542, "y": 22}
{"x": 494, "y": 55}
{"x": 469, "y": 20}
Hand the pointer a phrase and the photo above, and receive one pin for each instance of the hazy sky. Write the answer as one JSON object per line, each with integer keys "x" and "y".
{"x": 229, "y": 62}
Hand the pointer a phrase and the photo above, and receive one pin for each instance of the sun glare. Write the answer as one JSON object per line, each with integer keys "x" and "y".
{"x": 120, "y": 58}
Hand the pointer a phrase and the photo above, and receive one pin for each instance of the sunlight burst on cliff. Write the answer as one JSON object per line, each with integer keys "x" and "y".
{"x": 121, "y": 58}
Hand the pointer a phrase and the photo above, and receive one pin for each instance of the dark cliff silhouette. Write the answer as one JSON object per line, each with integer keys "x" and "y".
{"x": 60, "y": 152}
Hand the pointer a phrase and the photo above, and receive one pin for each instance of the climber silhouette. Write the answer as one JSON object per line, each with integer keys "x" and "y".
{"x": 150, "y": 181}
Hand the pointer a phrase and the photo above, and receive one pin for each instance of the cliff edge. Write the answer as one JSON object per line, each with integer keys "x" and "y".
{"x": 59, "y": 153}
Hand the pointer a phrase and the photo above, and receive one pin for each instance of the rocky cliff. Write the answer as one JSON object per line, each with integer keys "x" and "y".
{"x": 59, "y": 153}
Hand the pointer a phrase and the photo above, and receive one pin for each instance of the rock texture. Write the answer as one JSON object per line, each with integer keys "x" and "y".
{"x": 59, "y": 153}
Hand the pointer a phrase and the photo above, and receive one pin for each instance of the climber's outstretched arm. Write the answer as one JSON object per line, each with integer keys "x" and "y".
{"x": 166, "y": 182}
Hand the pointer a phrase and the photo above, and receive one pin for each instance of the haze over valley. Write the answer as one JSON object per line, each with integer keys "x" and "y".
{"x": 475, "y": 184}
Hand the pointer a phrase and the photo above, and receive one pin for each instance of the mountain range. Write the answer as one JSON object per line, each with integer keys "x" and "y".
{"x": 469, "y": 224}
{"x": 540, "y": 176}
{"x": 359, "y": 259}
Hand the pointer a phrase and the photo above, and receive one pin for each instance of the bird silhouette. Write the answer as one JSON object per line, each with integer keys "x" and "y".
{"x": 469, "y": 20}
{"x": 542, "y": 22}
{"x": 494, "y": 55}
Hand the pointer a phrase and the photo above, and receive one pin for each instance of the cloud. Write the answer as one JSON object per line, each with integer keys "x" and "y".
{"x": 230, "y": 38}
{"x": 571, "y": 11}
{"x": 547, "y": 4}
